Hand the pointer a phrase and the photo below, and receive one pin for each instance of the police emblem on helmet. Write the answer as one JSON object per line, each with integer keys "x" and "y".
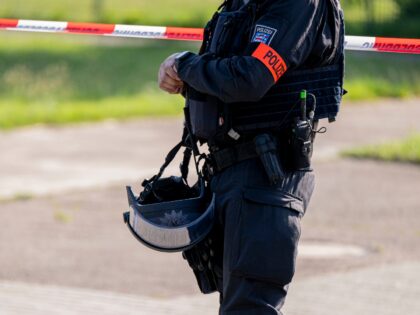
{"x": 174, "y": 225}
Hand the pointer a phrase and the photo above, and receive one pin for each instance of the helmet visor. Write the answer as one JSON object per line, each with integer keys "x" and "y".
{"x": 170, "y": 226}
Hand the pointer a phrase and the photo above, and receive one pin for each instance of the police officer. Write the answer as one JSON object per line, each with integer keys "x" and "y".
{"x": 267, "y": 72}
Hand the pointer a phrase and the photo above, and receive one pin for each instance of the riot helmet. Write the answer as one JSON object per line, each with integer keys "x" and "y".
{"x": 169, "y": 215}
{"x": 171, "y": 226}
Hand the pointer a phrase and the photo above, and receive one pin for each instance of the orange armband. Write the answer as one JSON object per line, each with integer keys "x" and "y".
{"x": 271, "y": 59}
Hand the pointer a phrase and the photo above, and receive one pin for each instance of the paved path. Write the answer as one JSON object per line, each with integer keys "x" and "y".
{"x": 76, "y": 246}
{"x": 43, "y": 160}
{"x": 384, "y": 290}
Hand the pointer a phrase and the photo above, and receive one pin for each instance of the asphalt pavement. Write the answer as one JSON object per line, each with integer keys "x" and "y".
{"x": 65, "y": 250}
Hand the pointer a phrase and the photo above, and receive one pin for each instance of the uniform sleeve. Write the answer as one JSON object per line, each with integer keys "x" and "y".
{"x": 281, "y": 39}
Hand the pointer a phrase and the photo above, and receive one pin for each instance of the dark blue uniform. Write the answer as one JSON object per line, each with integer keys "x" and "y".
{"x": 254, "y": 59}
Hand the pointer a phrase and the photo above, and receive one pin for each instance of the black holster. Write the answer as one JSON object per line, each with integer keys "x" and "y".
{"x": 266, "y": 148}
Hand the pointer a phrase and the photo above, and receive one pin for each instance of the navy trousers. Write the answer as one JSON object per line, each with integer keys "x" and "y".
{"x": 259, "y": 229}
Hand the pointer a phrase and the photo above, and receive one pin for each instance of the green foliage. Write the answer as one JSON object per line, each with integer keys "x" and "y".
{"x": 165, "y": 12}
{"x": 64, "y": 79}
{"x": 372, "y": 75}
{"x": 147, "y": 103}
{"x": 364, "y": 17}
{"x": 359, "y": 11}
{"x": 392, "y": 18}
{"x": 59, "y": 79}
{"x": 409, "y": 7}
{"x": 406, "y": 150}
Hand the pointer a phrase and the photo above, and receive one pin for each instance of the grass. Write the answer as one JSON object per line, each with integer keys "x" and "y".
{"x": 62, "y": 217}
{"x": 406, "y": 150}
{"x": 408, "y": 27}
{"x": 60, "y": 79}
{"x": 375, "y": 75}
{"x": 22, "y": 196}
{"x": 52, "y": 67}
{"x": 17, "y": 114}
{"x": 385, "y": 13}
{"x": 384, "y": 19}
{"x": 56, "y": 79}
{"x": 167, "y": 12}
{"x": 383, "y": 10}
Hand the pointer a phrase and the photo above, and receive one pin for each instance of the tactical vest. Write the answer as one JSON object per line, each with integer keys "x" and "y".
{"x": 227, "y": 34}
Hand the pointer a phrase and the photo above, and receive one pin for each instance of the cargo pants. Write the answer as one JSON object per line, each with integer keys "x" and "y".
{"x": 259, "y": 229}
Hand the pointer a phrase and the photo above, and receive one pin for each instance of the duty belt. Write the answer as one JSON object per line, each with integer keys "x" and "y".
{"x": 224, "y": 158}
{"x": 276, "y": 159}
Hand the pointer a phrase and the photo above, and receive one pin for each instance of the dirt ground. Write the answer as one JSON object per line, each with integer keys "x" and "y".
{"x": 79, "y": 239}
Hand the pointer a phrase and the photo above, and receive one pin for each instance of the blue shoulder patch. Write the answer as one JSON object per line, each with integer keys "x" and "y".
{"x": 263, "y": 34}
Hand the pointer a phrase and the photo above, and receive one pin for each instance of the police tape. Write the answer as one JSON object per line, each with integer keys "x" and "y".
{"x": 363, "y": 43}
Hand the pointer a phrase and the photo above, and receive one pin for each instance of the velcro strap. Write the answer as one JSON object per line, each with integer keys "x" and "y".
{"x": 227, "y": 157}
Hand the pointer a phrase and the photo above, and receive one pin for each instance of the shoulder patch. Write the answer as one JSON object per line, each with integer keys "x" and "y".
{"x": 263, "y": 34}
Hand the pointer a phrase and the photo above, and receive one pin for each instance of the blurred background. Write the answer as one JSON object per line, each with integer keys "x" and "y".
{"x": 81, "y": 116}
{"x": 67, "y": 79}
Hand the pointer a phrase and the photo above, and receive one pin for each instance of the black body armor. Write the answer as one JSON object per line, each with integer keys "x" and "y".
{"x": 229, "y": 34}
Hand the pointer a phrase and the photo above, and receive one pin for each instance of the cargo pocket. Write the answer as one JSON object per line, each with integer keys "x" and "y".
{"x": 268, "y": 236}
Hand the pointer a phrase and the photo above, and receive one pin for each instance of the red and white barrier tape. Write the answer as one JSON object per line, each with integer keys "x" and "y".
{"x": 383, "y": 44}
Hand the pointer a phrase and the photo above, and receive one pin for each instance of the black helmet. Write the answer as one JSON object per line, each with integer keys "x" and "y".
{"x": 175, "y": 225}
{"x": 169, "y": 215}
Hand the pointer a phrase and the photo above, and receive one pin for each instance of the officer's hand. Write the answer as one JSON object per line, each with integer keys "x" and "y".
{"x": 168, "y": 78}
